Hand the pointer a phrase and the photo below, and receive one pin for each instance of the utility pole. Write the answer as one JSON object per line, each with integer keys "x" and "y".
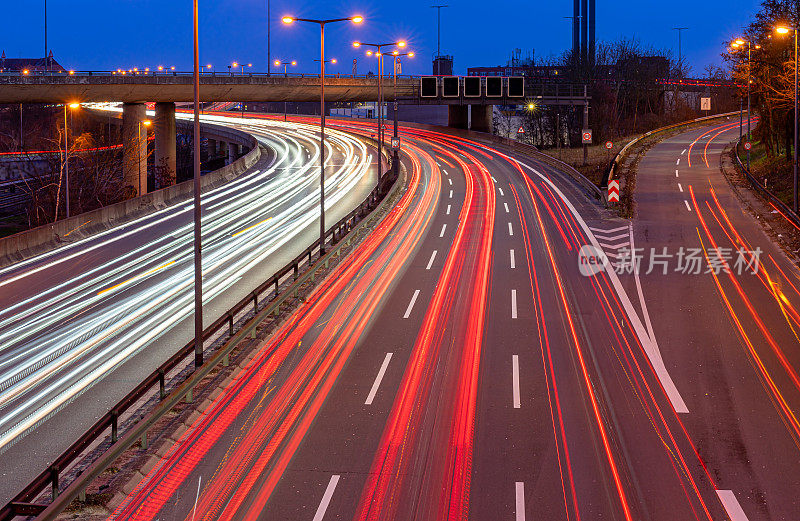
{"x": 269, "y": 41}
{"x": 439, "y": 28}
{"x": 680, "y": 55}
{"x": 46, "y": 59}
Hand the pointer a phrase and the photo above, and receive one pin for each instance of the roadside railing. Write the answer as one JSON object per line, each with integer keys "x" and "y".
{"x": 782, "y": 207}
{"x": 620, "y": 157}
{"x": 109, "y": 424}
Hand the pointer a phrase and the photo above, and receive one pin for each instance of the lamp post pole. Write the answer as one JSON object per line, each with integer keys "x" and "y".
{"x": 198, "y": 272}
{"x": 66, "y": 161}
{"x": 749, "y": 80}
{"x": 288, "y": 20}
{"x": 396, "y": 62}
{"x": 794, "y": 177}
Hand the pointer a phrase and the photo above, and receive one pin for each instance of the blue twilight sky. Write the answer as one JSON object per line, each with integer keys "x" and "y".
{"x": 102, "y": 35}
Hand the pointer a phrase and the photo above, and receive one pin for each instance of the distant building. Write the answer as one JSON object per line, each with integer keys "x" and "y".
{"x": 443, "y": 65}
{"x": 30, "y": 64}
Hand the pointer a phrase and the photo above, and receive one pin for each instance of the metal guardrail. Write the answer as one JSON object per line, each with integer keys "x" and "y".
{"x": 22, "y": 504}
{"x": 787, "y": 212}
{"x": 189, "y": 74}
{"x": 609, "y": 175}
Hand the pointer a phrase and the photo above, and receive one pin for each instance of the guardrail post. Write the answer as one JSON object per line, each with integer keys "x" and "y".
{"x": 189, "y": 396}
{"x": 226, "y": 360}
{"x": 230, "y": 325}
{"x": 277, "y": 286}
{"x": 295, "y": 271}
{"x": 82, "y": 495}
{"x": 54, "y": 482}
{"x": 255, "y": 302}
{"x": 161, "y": 391}
{"x": 114, "y": 427}
{"x": 144, "y": 440}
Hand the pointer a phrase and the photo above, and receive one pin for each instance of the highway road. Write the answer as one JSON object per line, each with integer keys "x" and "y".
{"x": 732, "y": 337}
{"x": 459, "y": 365}
{"x": 81, "y": 325}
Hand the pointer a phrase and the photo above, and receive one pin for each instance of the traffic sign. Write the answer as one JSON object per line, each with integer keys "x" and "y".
{"x": 395, "y": 143}
{"x": 748, "y": 145}
{"x": 586, "y": 136}
{"x": 613, "y": 191}
{"x": 705, "y": 103}
{"x": 609, "y": 145}
{"x": 521, "y": 130}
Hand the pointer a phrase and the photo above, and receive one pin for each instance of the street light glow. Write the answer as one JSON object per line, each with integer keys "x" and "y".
{"x": 357, "y": 19}
{"x": 369, "y": 53}
{"x": 333, "y": 60}
{"x": 147, "y": 122}
{"x": 287, "y": 19}
{"x": 782, "y": 30}
{"x": 740, "y": 41}
{"x": 74, "y": 105}
{"x": 277, "y": 63}
{"x": 294, "y": 62}
{"x": 356, "y": 44}
{"x": 411, "y": 55}
{"x": 401, "y": 43}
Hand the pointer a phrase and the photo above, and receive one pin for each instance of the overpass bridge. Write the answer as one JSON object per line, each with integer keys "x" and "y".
{"x": 165, "y": 88}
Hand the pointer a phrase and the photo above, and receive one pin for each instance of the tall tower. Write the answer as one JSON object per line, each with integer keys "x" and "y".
{"x": 583, "y": 30}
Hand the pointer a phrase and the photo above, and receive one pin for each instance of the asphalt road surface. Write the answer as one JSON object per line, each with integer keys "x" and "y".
{"x": 81, "y": 325}
{"x": 463, "y": 365}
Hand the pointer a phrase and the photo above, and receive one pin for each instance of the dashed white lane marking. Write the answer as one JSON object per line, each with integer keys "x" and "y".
{"x": 444, "y": 227}
{"x": 501, "y": 191}
{"x": 411, "y": 304}
{"x": 448, "y": 210}
{"x": 684, "y": 151}
{"x": 450, "y": 181}
{"x": 326, "y": 498}
{"x": 678, "y": 161}
{"x": 513, "y": 262}
{"x": 430, "y": 262}
{"x": 515, "y": 379}
{"x": 493, "y": 179}
{"x": 451, "y": 194}
{"x": 505, "y": 205}
{"x": 687, "y": 205}
{"x": 676, "y": 173}
{"x": 519, "y": 503}
{"x": 513, "y": 303}
{"x": 445, "y": 172}
{"x": 680, "y": 187}
{"x": 732, "y": 506}
{"x": 382, "y": 371}
{"x": 510, "y": 229}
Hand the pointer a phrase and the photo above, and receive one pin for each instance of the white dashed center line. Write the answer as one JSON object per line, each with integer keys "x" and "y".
{"x": 515, "y": 379}
{"x": 519, "y": 502}
{"x": 430, "y": 262}
{"x": 444, "y": 227}
{"x": 513, "y": 262}
{"x": 510, "y": 229}
{"x": 450, "y": 181}
{"x": 382, "y": 371}
{"x": 687, "y": 205}
{"x": 451, "y": 194}
{"x": 448, "y": 210}
{"x": 676, "y": 173}
{"x": 513, "y": 303}
{"x": 505, "y": 205}
{"x": 411, "y": 304}
{"x": 501, "y": 191}
{"x": 680, "y": 187}
{"x": 326, "y": 498}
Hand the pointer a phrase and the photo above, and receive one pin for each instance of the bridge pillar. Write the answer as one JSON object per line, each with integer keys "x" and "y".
{"x": 134, "y": 148}
{"x": 482, "y": 118}
{"x": 458, "y": 116}
{"x": 236, "y": 151}
{"x": 166, "y": 137}
{"x": 223, "y": 151}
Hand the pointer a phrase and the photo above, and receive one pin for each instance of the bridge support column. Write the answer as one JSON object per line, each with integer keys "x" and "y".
{"x": 482, "y": 118}
{"x": 166, "y": 137}
{"x": 212, "y": 149}
{"x": 458, "y": 116}
{"x": 236, "y": 151}
{"x": 223, "y": 151}
{"x": 134, "y": 148}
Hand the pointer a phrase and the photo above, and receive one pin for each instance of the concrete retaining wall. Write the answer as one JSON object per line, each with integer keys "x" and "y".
{"x": 51, "y": 236}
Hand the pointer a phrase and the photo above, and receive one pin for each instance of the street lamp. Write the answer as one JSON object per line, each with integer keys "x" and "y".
{"x": 785, "y": 30}
{"x": 397, "y": 55}
{"x": 72, "y": 106}
{"x": 289, "y": 20}
{"x": 736, "y": 44}
{"x": 146, "y": 123}
{"x": 278, "y": 63}
{"x": 379, "y": 55}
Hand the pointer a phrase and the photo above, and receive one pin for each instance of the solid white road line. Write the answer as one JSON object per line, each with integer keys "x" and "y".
{"x": 448, "y": 210}
{"x": 506, "y": 206}
{"x": 650, "y": 343}
{"x": 513, "y": 263}
{"x": 687, "y": 205}
{"x": 382, "y": 371}
{"x": 430, "y": 262}
{"x": 680, "y": 187}
{"x": 199, "y": 481}
{"x": 444, "y": 227}
{"x": 510, "y": 229}
{"x": 519, "y": 504}
{"x": 732, "y": 506}
{"x": 326, "y": 498}
{"x": 451, "y": 194}
{"x": 515, "y": 379}
{"x": 513, "y": 303}
{"x": 411, "y": 304}
{"x": 450, "y": 181}
{"x": 501, "y": 191}
{"x": 676, "y": 173}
